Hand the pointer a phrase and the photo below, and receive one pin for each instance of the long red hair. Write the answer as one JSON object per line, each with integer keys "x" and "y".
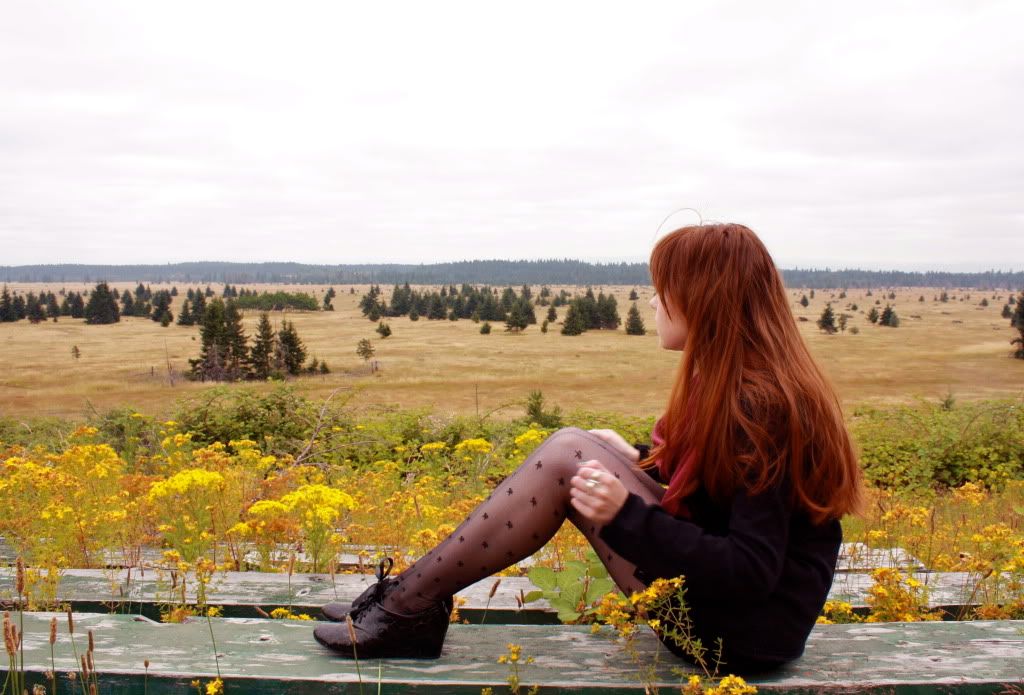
{"x": 761, "y": 409}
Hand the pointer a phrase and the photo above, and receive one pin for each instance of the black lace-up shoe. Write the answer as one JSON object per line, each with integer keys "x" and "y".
{"x": 337, "y": 611}
{"x": 380, "y": 633}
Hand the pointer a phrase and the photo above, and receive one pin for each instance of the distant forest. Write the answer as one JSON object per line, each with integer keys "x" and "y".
{"x": 551, "y": 272}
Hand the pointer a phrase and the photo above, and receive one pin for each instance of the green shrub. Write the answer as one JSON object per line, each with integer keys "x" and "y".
{"x": 932, "y": 445}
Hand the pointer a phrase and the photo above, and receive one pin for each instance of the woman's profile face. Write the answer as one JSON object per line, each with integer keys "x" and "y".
{"x": 671, "y": 331}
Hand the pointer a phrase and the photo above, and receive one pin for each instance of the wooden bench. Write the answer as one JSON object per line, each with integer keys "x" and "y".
{"x": 272, "y": 656}
{"x": 241, "y": 593}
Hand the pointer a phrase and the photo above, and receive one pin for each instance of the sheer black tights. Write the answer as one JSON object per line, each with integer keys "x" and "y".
{"x": 523, "y": 512}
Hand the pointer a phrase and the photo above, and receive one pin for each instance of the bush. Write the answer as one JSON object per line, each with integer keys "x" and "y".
{"x": 279, "y": 419}
{"x": 937, "y": 445}
{"x": 485, "y": 328}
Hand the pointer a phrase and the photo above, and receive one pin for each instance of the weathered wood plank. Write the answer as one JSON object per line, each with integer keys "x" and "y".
{"x": 239, "y": 593}
{"x": 261, "y": 656}
{"x": 853, "y": 557}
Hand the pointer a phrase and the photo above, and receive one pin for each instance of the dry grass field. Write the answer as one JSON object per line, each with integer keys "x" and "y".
{"x": 957, "y": 347}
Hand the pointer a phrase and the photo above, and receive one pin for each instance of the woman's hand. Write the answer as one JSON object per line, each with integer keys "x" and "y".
{"x": 615, "y": 441}
{"x": 597, "y": 494}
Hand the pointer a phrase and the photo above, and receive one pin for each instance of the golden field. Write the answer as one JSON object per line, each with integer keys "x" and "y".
{"x": 956, "y": 347}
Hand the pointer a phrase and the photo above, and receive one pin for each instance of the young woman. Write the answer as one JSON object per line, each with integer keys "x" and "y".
{"x": 742, "y": 492}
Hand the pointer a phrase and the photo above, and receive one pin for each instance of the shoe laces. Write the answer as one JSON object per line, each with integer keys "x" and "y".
{"x": 379, "y": 589}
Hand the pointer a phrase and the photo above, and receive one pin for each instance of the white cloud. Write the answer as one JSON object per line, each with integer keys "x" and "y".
{"x": 877, "y": 134}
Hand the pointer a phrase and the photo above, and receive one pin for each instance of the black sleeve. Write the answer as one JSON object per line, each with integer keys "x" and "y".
{"x": 746, "y": 562}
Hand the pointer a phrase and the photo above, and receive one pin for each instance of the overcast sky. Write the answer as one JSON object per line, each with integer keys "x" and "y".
{"x": 882, "y": 135}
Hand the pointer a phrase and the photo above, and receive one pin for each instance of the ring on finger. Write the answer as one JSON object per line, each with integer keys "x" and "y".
{"x": 591, "y": 484}
{"x": 595, "y": 475}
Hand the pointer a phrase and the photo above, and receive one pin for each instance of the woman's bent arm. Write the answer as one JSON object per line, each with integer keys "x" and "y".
{"x": 744, "y": 564}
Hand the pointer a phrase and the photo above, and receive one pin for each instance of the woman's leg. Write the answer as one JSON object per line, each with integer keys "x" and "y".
{"x": 520, "y": 516}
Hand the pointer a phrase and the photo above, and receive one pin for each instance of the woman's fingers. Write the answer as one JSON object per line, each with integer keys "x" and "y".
{"x": 597, "y": 494}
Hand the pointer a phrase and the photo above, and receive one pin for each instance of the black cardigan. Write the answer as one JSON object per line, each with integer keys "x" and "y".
{"x": 757, "y": 573}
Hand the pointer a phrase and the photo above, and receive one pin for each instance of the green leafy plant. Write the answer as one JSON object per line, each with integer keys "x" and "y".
{"x": 574, "y": 590}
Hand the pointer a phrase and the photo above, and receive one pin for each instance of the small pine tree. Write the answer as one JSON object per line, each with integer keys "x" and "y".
{"x": 516, "y": 319}
{"x": 873, "y": 315}
{"x": 75, "y": 352}
{"x": 983, "y": 302}
{"x": 365, "y": 349}
{"x": 262, "y": 353}
{"x": 944, "y": 297}
{"x": 544, "y": 326}
{"x": 812, "y": 294}
{"x": 291, "y": 350}
{"x": 634, "y": 322}
{"x": 1007, "y": 311}
{"x": 414, "y": 315}
{"x": 827, "y": 320}
{"x": 889, "y": 317}
{"x": 485, "y": 328}
{"x": 804, "y": 301}
{"x": 843, "y": 318}
{"x": 1017, "y": 322}
{"x": 102, "y": 306}
{"x": 633, "y": 296}
{"x": 552, "y": 314}
{"x": 383, "y": 330}
{"x": 574, "y": 322}
{"x": 323, "y": 367}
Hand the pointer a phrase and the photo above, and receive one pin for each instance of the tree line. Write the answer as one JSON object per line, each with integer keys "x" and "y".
{"x": 502, "y": 272}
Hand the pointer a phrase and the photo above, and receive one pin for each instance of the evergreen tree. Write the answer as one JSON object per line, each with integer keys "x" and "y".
{"x": 1017, "y": 322}
{"x": 544, "y": 327}
{"x": 485, "y": 328}
{"x": 52, "y": 308}
{"x": 198, "y": 307}
{"x": 291, "y": 351}
{"x": 574, "y": 323}
{"x": 185, "y": 317}
{"x": 608, "y": 312}
{"x": 383, "y": 330}
{"x": 552, "y": 314}
{"x": 827, "y": 321}
{"x": 889, "y": 317}
{"x": 127, "y": 303}
{"x": 65, "y": 306}
{"x": 634, "y": 323}
{"x": 34, "y": 308}
{"x": 7, "y": 312}
{"x": 20, "y": 310}
{"x": 633, "y": 296}
{"x": 323, "y": 367}
{"x": 414, "y": 315}
{"x": 437, "y": 310}
{"x": 77, "y": 306}
{"x": 515, "y": 320}
{"x": 162, "y": 308}
{"x": 365, "y": 349}
{"x": 1007, "y": 312}
{"x": 873, "y": 315}
{"x": 804, "y": 301}
{"x": 210, "y": 364}
{"x": 236, "y": 350}
{"x": 102, "y": 306}
{"x": 262, "y": 352}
